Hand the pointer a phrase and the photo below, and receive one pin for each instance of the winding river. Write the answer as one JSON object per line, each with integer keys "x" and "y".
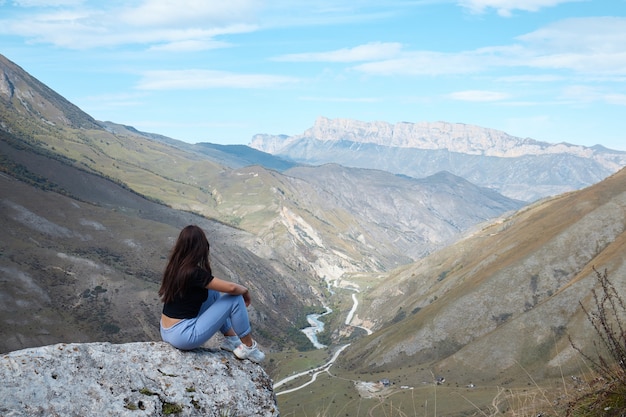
{"x": 311, "y": 332}
{"x": 317, "y": 326}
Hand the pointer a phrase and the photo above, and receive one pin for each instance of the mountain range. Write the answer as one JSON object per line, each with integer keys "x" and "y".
{"x": 523, "y": 169}
{"x": 451, "y": 276}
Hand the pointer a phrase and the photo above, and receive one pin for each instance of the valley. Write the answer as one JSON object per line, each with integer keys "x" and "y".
{"x": 460, "y": 296}
{"x": 317, "y": 325}
{"x": 313, "y": 382}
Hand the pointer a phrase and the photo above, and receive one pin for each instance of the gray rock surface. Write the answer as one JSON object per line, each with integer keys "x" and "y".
{"x": 133, "y": 379}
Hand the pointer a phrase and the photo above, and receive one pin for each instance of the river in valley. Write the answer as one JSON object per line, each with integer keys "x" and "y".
{"x": 311, "y": 332}
{"x": 317, "y": 326}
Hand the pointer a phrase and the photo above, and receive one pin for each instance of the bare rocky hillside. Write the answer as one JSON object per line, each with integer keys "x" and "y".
{"x": 82, "y": 259}
{"x": 505, "y": 295}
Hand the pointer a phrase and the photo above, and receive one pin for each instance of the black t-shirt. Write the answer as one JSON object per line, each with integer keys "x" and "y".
{"x": 187, "y": 305}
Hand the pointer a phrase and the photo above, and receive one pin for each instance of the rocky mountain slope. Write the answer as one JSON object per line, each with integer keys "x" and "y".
{"x": 505, "y": 296}
{"x": 390, "y": 215}
{"x": 82, "y": 259}
{"x": 522, "y": 169}
{"x": 232, "y": 156}
{"x": 486, "y": 324}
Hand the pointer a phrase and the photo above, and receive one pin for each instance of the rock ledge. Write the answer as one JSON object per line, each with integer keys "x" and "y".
{"x": 133, "y": 379}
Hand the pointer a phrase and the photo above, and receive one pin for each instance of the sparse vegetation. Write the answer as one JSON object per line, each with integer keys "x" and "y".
{"x": 22, "y": 173}
{"x": 607, "y": 392}
{"x": 171, "y": 408}
{"x": 299, "y": 340}
{"x": 608, "y": 322}
{"x": 601, "y": 393}
{"x": 400, "y": 315}
{"x": 146, "y": 391}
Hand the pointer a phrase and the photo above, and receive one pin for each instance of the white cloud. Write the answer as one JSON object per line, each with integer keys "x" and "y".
{"x": 426, "y": 63}
{"x": 478, "y": 95}
{"x": 198, "y": 12}
{"x": 189, "y": 45}
{"x": 171, "y": 24}
{"x": 588, "y": 34}
{"x": 201, "y": 79}
{"x": 591, "y": 45}
{"x": 342, "y": 99}
{"x": 539, "y": 78}
{"x": 366, "y": 52}
{"x": 64, "y": 28}
{"x": 506, "y": 7}
{"x": 615, "y": 98}
{"x": 46, "y": 3}
{"x": 586, "y": 46}
{"x": 586, "y": 94}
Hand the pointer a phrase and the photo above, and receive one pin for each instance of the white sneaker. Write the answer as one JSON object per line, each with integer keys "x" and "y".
{"x": 230, "y": 343}
{"x": 253, "y": 353}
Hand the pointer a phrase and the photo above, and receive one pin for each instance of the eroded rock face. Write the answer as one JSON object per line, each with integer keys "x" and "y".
{"x": 133, "y": 379}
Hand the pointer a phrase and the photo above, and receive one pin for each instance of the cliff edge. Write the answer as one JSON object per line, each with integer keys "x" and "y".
{"x": 133, "y": 379}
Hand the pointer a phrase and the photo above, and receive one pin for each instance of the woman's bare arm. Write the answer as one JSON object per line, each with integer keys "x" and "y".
{"x": 228, "y": 287}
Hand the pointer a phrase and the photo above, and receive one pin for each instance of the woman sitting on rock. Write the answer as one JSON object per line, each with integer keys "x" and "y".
{"x": 197, "y": 304}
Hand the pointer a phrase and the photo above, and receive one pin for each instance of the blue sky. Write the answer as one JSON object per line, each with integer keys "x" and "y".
{"x": 222, "y": 71}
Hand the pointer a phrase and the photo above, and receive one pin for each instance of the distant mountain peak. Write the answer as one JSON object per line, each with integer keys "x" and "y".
{"x": 520, "y": 168}
{"x": 440, "y": 135}
{"x": 453, "y": 137}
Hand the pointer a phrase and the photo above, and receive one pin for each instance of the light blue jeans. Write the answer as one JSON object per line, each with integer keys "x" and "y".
{"x": 218, "y": 312}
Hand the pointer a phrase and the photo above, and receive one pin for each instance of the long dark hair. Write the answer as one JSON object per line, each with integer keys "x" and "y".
{"x": 191, "y": 251}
